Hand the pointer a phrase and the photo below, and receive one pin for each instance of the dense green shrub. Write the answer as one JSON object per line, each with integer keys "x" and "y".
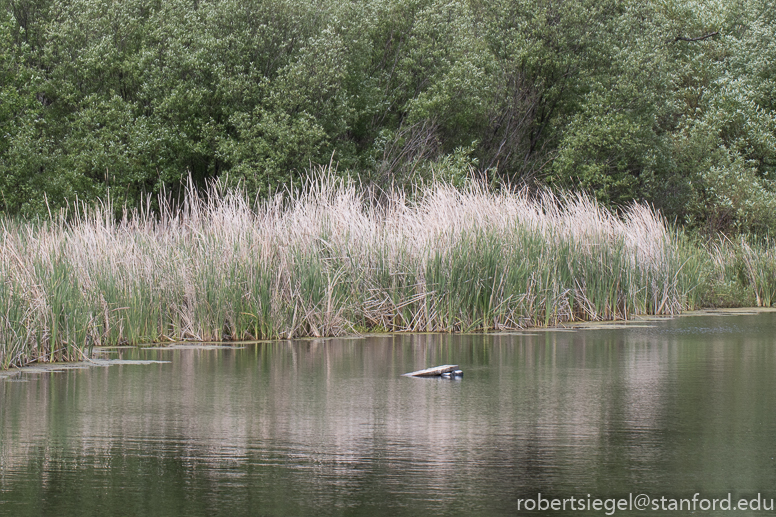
{"x": 670, "y": 101}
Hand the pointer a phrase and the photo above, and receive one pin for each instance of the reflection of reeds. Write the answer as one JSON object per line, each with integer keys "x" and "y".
{"x": 325, "y": 262}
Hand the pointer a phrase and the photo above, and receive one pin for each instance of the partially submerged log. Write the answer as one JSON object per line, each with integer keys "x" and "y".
{"x": 436, "y": 371}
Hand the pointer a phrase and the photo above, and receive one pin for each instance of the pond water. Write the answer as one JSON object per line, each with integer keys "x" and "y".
{"x": 665, "y": 408}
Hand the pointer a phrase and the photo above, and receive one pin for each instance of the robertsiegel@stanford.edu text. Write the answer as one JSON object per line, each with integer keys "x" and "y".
{"x": 641, "y": 502}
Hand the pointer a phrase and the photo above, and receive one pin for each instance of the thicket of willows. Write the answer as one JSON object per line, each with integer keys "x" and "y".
{"x": 668, "y": 101}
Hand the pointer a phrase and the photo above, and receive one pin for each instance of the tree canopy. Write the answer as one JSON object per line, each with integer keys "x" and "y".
{"x": 665, "y": 101}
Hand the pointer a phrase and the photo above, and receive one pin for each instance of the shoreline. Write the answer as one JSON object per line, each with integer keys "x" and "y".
{"x": 637, "y": 321}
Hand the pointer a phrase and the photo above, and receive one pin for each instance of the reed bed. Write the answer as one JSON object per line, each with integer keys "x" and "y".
{"x": 739, "y": 272}
{"x": 327, "y": 262}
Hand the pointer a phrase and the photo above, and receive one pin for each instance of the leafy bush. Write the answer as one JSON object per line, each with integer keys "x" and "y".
{"x": 669, "y": 102}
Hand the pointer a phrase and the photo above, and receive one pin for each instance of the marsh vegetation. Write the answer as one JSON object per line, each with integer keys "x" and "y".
{"x": 653, "y": 109}
{"x": 330, "y": 261}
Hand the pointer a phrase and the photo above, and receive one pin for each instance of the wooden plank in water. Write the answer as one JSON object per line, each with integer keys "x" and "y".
{"x": 432, "y": 372}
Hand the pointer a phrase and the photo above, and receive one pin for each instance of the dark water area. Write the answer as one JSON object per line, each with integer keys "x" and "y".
{"x": 329, "y": 427}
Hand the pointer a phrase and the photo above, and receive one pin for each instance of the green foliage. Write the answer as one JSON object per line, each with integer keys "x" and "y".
{"x": 19, "y": 110}
{"x": 665, "y": 101}
{"x": 269, "y": 145}
{"x": 733, "y": 198}
{"x": 614, "y": 145}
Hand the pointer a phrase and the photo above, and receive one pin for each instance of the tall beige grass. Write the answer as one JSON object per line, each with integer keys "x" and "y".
{"x": 327, "y": 262}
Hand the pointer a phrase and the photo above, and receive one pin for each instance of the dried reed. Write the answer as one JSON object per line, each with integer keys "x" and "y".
{"x": 327, "y": 262}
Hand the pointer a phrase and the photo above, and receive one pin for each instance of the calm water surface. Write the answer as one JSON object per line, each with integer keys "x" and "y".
{"x": 328, "y": 427}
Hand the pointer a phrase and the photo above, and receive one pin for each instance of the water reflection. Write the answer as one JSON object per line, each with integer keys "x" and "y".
{"x": 330, "y": 427}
